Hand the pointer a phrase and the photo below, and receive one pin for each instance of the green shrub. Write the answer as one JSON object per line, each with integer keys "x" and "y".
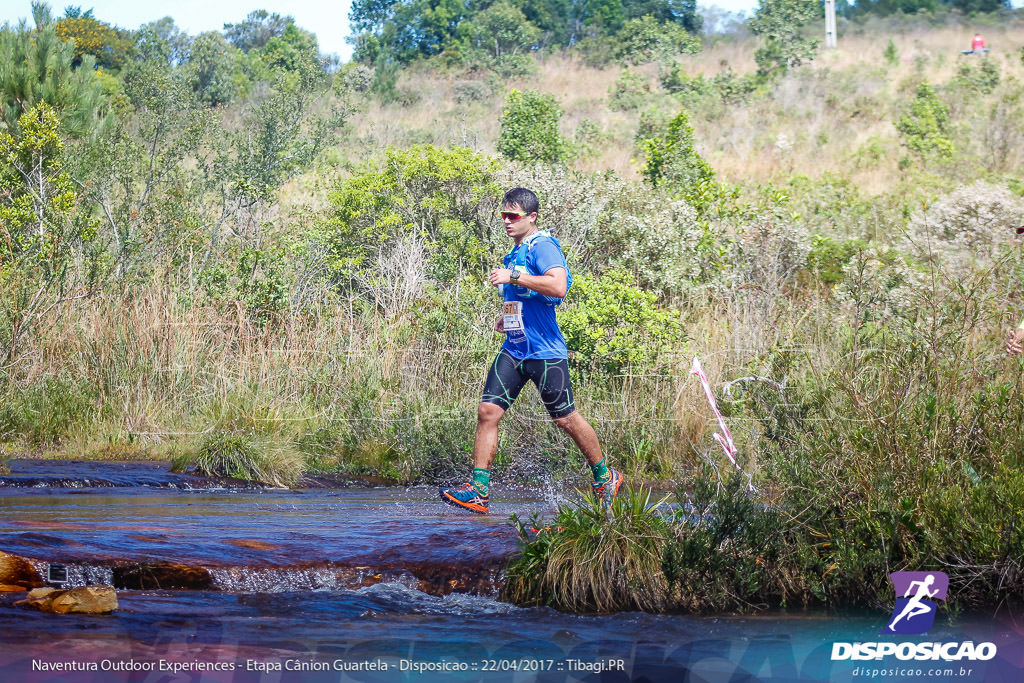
{"x": 891, "y": 54}
{"x": 660, "y": 242}
{"x": 728, "y": 547}
{"x": 671, "y": 161}
{"x": 828, "y": 257}
{"x": 781, "y": 23}
{"x": 924, "y": 126}
{"x": 629, "y": 92}
{"x": 983, "y": 78}
{"x": 242, "y": 456}
{"x": 421, "y": 203}
{"x": 673, "y": 78}
{"x": 471, "y": 91}
{"x": 612, "y": 324}
{"x": 529, "y": 128}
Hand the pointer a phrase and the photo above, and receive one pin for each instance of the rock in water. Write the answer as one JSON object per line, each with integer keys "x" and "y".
{"x": 82, "y": 600}
{"x": 86, "y": 600}
{"x": 40, "y": 597}
{"x": 17, "y": 571}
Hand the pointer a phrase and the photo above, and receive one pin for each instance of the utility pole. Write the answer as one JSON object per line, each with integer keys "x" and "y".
{"x": 830, "y": 23}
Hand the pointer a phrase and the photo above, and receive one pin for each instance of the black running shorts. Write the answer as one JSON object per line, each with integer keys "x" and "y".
{"x": 507, "y": 377}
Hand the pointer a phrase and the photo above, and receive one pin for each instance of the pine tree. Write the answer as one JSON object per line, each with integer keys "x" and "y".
{"x": 36, "y": 66}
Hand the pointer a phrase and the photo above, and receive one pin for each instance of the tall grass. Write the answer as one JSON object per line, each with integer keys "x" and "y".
{"x": 354, "y": 394}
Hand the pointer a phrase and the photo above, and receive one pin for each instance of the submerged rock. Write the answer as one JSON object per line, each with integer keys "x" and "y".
{"x": 149, "y": 575}
{"x": 17, "y": 571}
{"x": 81, "y": 600}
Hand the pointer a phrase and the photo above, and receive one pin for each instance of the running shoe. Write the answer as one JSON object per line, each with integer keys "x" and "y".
{"x": 467, "y": 497}
{"x": 609, "y": 488}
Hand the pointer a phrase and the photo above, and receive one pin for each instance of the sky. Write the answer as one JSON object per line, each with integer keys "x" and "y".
{"x": 328, "y": 20}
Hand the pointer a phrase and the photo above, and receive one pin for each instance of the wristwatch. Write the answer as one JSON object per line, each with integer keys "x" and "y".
{"x": 514, "y": 276}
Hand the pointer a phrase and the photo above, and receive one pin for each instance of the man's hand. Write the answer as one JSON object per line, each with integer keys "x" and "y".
{"x": 501, "y": 276}
{"x": 500, "y": 325}
{"x": 1014, "y": 342}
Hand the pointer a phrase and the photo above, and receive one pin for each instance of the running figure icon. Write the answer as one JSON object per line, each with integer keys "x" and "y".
{"x": 915, "y": 607}
{"x": 914, "y": 611}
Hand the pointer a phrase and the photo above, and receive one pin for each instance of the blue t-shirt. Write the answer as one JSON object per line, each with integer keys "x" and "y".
{"x": 540, "y": 336}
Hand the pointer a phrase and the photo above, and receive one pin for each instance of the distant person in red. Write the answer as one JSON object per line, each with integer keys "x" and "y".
{"x": 978, "y": 44}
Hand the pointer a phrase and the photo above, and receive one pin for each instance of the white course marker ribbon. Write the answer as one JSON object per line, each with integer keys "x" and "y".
{"x": 724, "y": 441}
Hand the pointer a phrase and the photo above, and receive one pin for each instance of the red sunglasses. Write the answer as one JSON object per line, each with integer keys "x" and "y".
{"x": 514, "y": 215}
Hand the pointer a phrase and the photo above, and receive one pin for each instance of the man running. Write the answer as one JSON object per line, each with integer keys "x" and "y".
{"x": 535, "y": 279}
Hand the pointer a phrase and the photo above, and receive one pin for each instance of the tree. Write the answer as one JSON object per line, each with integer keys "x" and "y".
{"x": 106, "y": 43}
{"x": 646, "y": 39}
{"x": 780, "y": 23}
{"x": 973, "y": 6}
{"x": 294, "y": 50}
{"x": 162, "y": 39}
{"x": 213, "y": 69}
{"x": 257, "y": 30}
{"x": 681, "y": 12}
{"x": 529, "y": 128}
{"x": 150, "y": 178}
{"x": 46, "y": 235}
{"x": 36, "y": 66}
{"x": 499, "y": 34}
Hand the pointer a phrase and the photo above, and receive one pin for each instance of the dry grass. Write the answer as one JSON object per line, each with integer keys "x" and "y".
{"x": 741, "y": 141}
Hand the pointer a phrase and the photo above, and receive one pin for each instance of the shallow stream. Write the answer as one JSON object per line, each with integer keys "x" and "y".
{"x": 368, "y": 584}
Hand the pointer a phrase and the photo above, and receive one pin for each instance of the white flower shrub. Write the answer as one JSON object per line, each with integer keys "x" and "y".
{"x": 968, "y": 224}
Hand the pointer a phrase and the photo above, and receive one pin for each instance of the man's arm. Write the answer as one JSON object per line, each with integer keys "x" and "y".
{"x": 552, "y": 283}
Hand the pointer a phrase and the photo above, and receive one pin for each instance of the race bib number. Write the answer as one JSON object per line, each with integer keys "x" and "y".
{"x": 513, "y": 318}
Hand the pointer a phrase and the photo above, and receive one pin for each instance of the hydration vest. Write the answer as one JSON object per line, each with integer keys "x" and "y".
{"x": 519, "y": 259}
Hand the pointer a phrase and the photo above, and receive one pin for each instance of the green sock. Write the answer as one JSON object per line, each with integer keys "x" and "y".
{"x": 481, "y": 480}
{"x": 600, "y": 471}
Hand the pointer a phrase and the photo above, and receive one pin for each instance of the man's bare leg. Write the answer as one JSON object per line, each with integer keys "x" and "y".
{"x": 583, "y": 434}
{"x": 485, "y": 447}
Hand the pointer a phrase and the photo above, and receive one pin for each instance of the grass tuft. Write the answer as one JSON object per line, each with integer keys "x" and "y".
{"x": 593, "y": 559}
{"x": 242, "y": 456}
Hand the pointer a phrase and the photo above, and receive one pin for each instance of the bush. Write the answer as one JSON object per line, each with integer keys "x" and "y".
{"x": 972, "y": 221}
{"x": 969, "y": 78}
{"x": 660, "y": 242}
{"x": 529, "y": 128}
{"x": 424, "y": 204}
{"x": 728, "y": 550}
{"x": 612, "y": 325}
{"x": 671, "y": 161}
{"x": 471, "y": 91}
{"x": 629, "y": 92}
{"x": 924, "y": 126}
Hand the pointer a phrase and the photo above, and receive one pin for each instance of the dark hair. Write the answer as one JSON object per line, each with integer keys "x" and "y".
{"x": 523, "y": 198}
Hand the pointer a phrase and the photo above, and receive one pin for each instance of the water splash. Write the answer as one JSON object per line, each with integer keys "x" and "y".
{"x": 282, "y": 580}
{"x": 78, "y": 574}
